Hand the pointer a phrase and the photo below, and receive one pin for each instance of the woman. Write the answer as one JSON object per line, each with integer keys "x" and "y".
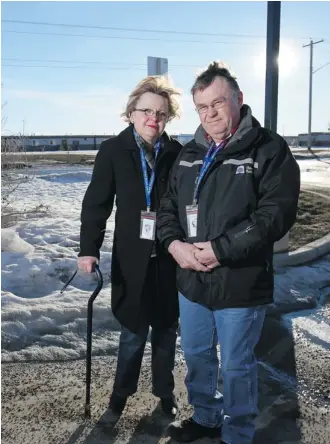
{"x": 134, "y": 167}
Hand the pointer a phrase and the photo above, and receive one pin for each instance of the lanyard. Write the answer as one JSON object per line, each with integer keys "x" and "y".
{"x": 148, "y": 184}
{"x": 208, "y": 159}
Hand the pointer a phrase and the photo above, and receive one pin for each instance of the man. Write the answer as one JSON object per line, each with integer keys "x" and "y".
{"x": 242, "y": 183}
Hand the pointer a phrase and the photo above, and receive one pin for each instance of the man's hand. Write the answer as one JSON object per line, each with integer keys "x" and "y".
{"x": 183, "y": 253}
{"x": 86, "y": 263}
{"x": 205, "y": 255}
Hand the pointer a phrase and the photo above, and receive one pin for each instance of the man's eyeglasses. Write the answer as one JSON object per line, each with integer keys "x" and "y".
{"x": 160, "y": 115}
{"x": 218, "y": 104}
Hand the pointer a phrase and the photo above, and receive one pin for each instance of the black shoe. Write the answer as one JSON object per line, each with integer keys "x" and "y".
{"x": 169, "y": 406}
{"x": 117, "y": 404}
{"x": 188, "y": 430}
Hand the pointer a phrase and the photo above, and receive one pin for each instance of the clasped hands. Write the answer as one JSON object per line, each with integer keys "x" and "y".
{"x": 198, "y": 256}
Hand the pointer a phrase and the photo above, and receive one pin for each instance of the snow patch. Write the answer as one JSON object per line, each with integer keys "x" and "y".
{"x": 39, "y": 256}
{"x": 11, "y": 242}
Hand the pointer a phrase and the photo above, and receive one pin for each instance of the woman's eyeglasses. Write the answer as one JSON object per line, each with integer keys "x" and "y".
{"x": 160, "y": 115}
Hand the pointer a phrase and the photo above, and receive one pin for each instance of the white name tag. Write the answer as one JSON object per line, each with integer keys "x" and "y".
{"x": 192, "y": 213}
{"x": 148, "y": 225}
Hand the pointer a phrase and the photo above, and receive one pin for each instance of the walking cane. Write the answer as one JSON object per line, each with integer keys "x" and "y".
{"x": 89, "y": 339}
{"x": 89, "y": 335}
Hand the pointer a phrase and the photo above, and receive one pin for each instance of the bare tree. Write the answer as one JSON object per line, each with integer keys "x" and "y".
{"x": 14, "y": 165}
{"x": 3, "y": 118}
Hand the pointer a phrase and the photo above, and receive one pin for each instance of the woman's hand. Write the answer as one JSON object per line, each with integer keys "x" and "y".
{"x": 86, "y": 263}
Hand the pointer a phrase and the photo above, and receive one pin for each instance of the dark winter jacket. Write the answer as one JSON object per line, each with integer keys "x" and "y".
{"x": 118, "y": 174}
{"x": 248, "y": 200}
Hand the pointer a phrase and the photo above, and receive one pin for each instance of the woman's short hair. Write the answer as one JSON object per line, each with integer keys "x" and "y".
{"x": 157, "y": 85}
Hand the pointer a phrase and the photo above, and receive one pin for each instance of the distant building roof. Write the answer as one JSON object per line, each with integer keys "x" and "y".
{"x": 59, "y": 136}
{"x": 326, "y": 133}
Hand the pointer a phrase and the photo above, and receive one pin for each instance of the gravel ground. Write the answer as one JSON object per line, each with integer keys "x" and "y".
{"x": 44, "y": 403}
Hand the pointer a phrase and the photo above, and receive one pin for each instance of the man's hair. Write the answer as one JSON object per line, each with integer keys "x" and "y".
{"x": 157, "y": 85}
{"x": 215, "y": 69}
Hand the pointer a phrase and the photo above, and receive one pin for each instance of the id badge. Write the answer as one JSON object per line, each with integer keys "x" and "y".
{"x": 148, "y": 225}
{"x": 192, "y": 213}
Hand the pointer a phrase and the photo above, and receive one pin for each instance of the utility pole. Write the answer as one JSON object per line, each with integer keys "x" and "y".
{"x": 311, "y": 45}
{"x": 273, "y": 47}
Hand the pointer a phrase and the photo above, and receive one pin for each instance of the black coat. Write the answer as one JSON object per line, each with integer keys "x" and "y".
{"x": 248, "y": 200}
{"x": 118, "y": 174}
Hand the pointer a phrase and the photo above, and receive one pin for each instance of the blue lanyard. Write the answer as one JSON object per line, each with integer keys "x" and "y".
{"x": 208, "y": 159}
{"x": 148, "y": 184}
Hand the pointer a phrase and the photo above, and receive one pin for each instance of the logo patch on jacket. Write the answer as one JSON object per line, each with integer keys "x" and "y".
{"x": 240, "y": 169}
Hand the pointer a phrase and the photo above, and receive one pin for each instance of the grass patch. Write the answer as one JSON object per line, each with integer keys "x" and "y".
{"x": 62, "y": 157}
{"x": 313, "y": 220}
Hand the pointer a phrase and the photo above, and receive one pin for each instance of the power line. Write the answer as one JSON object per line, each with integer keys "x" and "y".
{"x": 162, "y": 31}
{"x": 124, "y": 38}
{"x": 124, "y": 68}
{"x": 89, "y": 62}
{"x": 71, "y": 67}
{"x": 67, "y": 25}
{"x": 323, "y": 66}
{"x": 71, "y": 61}
{"x": 100, "y": 65}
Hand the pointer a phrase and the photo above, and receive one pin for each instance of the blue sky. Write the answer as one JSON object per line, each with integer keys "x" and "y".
{"x": 61, "y": 95}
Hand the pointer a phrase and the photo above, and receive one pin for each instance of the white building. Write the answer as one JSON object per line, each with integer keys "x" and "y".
{"x": 58, "y": 142}
{"x": 318, "y": 139}
{"x": 183, "y": 138}
{"x": 69, "y": 143}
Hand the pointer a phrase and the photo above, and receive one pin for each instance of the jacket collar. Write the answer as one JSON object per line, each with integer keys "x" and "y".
{"x": 247, "y": 123}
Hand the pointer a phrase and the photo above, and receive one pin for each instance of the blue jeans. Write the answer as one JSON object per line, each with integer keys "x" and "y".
{"x": 130, "y": 354}
{"x": 238, "y": 331}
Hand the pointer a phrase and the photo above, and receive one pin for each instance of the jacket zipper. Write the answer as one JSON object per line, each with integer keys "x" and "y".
{"x": 267, "y": 266}
{"x": 245, "y": 231}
